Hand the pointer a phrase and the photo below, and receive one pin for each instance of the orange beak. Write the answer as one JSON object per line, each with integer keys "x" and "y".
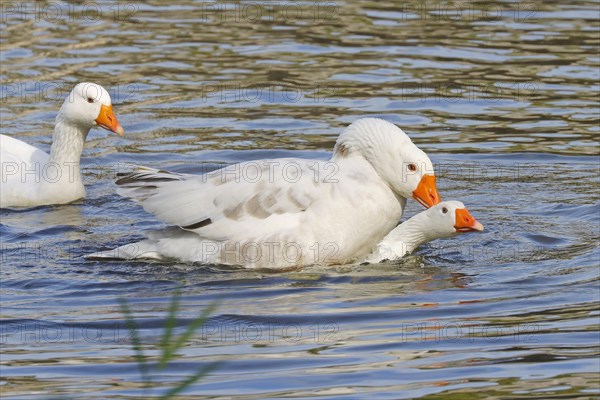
{"x": 108, "y": 120}
{"x": 465, "y": 222}
{"x": 426, "y": 191}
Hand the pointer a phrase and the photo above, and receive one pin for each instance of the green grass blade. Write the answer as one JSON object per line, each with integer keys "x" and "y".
{"x": 169, "y": 344}
{"x": 139, "y": 356}
{"x": 196, "y": 323}
{"x": 190, "y": 380}
{"x": 169, "y": 326}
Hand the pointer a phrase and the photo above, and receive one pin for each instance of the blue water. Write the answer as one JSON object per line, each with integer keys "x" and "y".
{"x": 507, "y": 108}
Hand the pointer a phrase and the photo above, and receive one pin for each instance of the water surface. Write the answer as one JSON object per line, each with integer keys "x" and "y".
{"x": 504, "y": 98}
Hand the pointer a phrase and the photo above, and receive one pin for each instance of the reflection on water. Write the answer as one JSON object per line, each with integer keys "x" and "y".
{"x": 502, "y": 95}
{"x": 521, "y": 78}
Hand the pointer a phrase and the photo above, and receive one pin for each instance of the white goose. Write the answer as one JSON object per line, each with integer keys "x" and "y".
{"x": 285, "y": 212}
{"x": 31, "y": 177}
{"x": 444, "y": 220}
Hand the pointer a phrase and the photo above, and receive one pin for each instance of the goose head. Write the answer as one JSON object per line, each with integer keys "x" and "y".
{"x": 406, "y": 169}
{"x": 89, "y": 105}
{"x": 448, "y": 219}
{"x": 444, "y": 220}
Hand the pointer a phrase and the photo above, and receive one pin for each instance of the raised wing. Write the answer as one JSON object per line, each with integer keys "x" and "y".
{"x": 243, "y": 200}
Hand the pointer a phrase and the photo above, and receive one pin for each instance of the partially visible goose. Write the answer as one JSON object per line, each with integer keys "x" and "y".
{"x": 31, "y": 177}
{"x": 444, "y": 220}
{"x": 285, "y": 212}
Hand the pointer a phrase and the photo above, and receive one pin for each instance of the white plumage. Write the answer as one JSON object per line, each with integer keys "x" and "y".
{"x": 283, "y": 212}
{"x": 31, "y": 177}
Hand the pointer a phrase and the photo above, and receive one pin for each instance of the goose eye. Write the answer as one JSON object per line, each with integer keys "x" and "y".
{"x": 412, "y": 167}
{"x": 444, "y": 210}
{"x": 90, "y": 100}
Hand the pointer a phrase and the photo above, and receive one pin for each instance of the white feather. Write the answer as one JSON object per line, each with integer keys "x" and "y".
{"x": 332, "y": 211}
{"x": 31, "y": 177}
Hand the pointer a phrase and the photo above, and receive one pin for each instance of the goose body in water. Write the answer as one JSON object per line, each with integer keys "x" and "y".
{"x": 285, "y": 212}
{"x": 31, "y": 177}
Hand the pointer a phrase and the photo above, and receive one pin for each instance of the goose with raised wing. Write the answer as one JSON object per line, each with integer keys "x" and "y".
{"x": 285, "y": 212}
{"x": 31, "y": 177}
{"x": 444, "y": 220}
